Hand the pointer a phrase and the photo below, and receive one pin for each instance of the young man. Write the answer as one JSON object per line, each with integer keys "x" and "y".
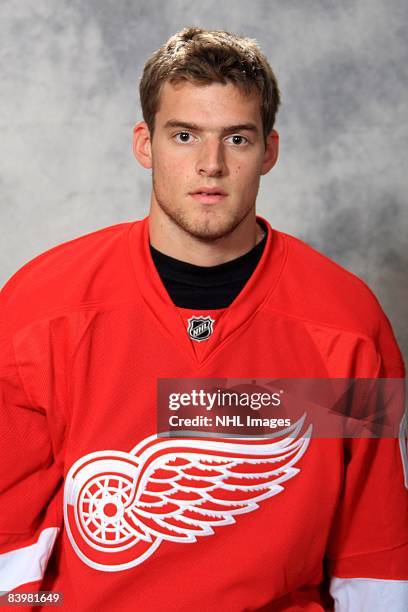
{"x": 94, "y": 504}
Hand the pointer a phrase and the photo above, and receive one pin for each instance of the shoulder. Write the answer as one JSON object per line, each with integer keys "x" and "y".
{"x": 85, "y": 269}
{"x": 316, "y": 288}
{"x": 334, "y": 305}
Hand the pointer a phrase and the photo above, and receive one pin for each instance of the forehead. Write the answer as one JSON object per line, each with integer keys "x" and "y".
{"x": 214, "y": 104}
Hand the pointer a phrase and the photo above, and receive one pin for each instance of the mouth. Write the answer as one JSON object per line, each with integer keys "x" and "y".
{"x": 208, "y": 195}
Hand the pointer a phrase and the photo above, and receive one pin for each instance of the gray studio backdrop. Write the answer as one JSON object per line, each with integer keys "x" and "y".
{"x": 69, "y": 82}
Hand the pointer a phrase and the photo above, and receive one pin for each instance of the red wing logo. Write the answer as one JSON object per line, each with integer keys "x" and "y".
{"x": 119, "y": 507}
{"x": 403, "y": 441}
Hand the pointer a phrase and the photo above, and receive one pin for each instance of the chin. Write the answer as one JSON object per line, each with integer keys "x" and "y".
{"x": 208, "y": 230}
{"x": 207, "y": 234}
{"x": 208, "y": 226}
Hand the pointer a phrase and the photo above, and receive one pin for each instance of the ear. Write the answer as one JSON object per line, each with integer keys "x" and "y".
{"x": 142, "y": 148}
{"x": 271, "y": 152}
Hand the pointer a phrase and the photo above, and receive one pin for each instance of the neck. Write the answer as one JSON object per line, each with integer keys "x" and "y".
{"x": 168, "y": 238}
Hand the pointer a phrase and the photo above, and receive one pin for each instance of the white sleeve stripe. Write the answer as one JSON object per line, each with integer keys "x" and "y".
{"x": 369, "y": 595}
{"x": 27, "y": 564}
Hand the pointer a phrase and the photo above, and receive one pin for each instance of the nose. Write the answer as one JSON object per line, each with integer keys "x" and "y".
{"x": 211, "y": 161}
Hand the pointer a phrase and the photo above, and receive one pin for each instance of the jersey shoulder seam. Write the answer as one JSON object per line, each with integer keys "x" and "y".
{"x": 355, "y": 332}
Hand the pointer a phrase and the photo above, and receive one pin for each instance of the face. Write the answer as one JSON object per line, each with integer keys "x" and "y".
{"x": 207, "y": 155}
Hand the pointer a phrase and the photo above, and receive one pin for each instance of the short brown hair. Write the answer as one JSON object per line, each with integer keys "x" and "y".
{"x": 208, "y": 56}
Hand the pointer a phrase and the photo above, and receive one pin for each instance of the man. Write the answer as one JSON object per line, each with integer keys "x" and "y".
{"x": 201, "y": 289}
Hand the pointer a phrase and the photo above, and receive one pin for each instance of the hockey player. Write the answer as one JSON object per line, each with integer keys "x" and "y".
{"x": 94, "y": 503}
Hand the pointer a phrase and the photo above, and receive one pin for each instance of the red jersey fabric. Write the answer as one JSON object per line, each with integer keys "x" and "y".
{"x": 87, "y": 328}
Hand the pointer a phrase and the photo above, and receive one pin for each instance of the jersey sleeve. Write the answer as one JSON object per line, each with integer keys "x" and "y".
{"x": 30, "y": 479}
{"x": 368, "y": 547}
{"x": 30, "y": 482}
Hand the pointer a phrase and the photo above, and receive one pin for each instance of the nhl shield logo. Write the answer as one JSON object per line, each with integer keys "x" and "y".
{"x": 200, "y": 328}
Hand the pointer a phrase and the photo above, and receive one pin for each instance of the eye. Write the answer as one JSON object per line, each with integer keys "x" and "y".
{"x": 237, "y": 139}
{"x": 183, "y": 137}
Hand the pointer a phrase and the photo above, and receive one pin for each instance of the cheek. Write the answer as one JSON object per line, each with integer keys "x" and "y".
{"x": 170, "y": 175}
{"x": 246, "y": 169}
{"x": 247, "y": 176}
{"x": 170, "y": 164}
{"x": 163, "y": 168}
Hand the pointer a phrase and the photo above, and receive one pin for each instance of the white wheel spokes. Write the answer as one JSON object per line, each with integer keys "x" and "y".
{"x": 101, "y": 507}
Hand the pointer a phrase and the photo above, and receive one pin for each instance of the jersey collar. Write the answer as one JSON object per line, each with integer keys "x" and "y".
{"x": 232, "y": 319}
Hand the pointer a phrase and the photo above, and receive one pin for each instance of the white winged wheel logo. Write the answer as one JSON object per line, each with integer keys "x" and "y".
{"x": 119, "y": 507}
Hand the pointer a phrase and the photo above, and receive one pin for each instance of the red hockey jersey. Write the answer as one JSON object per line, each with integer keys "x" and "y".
{"x": 96, "y": 506}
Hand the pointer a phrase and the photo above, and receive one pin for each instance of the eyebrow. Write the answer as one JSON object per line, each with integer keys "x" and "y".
{"x": 239, "y": 127}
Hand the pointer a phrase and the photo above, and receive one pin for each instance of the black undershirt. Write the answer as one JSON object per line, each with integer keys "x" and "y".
{"x": 202, "y": 287}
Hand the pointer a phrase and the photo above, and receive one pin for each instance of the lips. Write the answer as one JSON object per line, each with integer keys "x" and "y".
{"x": 209, "y": 191}
{"x": 208, "y": 195}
